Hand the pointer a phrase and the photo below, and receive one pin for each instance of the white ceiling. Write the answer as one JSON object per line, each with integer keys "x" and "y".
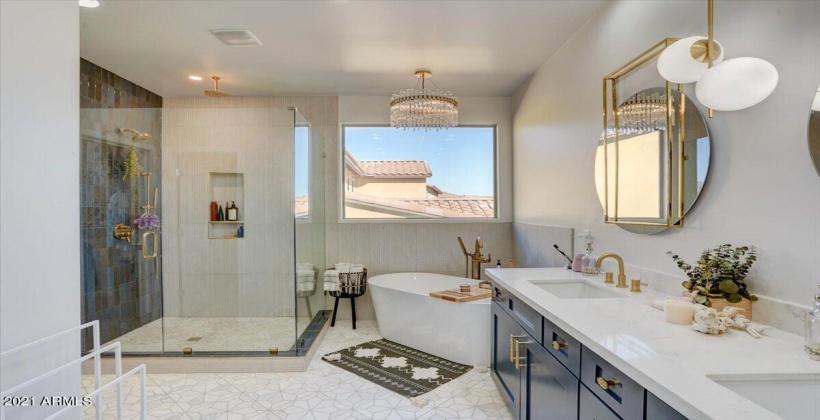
{"x": 330, "y": 47}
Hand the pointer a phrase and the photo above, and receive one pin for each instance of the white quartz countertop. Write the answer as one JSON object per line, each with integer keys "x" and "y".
{"x": 671, "y": 361}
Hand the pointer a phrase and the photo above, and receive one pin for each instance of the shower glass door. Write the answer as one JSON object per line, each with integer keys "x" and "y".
{"x": 229, "y": 238}
{"x": 310, "y": 227}
{"x": 120, "y": 175}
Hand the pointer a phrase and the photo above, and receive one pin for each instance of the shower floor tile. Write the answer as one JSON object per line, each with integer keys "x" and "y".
{"x": 322, "y": 392}
{"x": 213, "y": 334}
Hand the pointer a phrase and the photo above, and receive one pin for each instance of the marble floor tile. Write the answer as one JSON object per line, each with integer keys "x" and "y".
{"x": 322, "y": 392}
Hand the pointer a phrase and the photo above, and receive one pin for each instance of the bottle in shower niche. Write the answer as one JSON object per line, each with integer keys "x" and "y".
{"x": 220, "y": 215}
{"x": 588, "y": 262}
{"x": 812, "y": 339}
{"x": 214, "y": 211}
{"x": 233, "y": 212}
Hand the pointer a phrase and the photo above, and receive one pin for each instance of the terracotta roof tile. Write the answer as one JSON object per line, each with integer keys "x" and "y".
{"x": 389, "y": 168}
{"x": 464, "y": 207}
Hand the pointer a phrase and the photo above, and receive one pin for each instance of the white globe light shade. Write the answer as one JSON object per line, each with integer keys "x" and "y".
{"x": 737, "y": 84}
{"x": 677, "y": 65}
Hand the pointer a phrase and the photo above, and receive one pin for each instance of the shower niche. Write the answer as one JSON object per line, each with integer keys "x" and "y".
{"x": 226, "y": 189}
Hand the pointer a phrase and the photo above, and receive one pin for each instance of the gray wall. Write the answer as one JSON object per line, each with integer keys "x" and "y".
{"x": 762, "y": 189}
{"x": 39, "y": 193}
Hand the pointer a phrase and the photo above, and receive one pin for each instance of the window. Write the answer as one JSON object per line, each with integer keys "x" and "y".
{"x": 396, "y": 174}
{"x": 301, "y": 145}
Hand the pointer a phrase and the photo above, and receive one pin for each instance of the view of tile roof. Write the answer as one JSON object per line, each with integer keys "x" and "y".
{"x": 389, "y": 168}
{"x": 459, "y": 206}
{"x": 302, "y": 206}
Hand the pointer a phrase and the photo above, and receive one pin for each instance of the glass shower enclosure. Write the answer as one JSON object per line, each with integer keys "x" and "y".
{"x": 220, "y": 248}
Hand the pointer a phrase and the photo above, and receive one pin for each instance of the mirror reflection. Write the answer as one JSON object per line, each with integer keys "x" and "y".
{"x": 814, "y": 131}
{"x": 638, "y": 183}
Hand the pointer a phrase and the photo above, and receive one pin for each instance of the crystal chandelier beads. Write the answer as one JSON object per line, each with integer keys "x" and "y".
{"x": 640, "y": 113}
{"x": 421, "y": 108}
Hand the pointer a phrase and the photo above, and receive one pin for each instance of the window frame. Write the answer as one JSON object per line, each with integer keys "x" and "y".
{"x": 342, "y": 184}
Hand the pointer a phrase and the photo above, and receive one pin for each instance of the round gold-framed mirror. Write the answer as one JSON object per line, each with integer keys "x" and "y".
{"x": 644, "y": 181}
{"x": 814, "y": 131}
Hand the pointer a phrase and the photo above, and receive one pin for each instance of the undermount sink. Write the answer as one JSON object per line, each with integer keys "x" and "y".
{"x": 576, "y": 289}
{"x": 788, "y": 396}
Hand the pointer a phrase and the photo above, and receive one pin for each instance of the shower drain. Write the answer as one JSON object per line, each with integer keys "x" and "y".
{"x": 194, "y": 339}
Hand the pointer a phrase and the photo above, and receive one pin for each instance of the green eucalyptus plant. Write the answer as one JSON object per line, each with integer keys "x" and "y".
{"x": 720, "y": 272}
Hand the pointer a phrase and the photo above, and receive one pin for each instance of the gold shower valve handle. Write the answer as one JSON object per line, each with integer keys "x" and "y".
{"x": 558, "y": 345}
{"x": 123, "y": 231}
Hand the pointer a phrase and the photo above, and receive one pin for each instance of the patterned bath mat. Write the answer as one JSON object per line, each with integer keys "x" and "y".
{"x": 399, "y": 368}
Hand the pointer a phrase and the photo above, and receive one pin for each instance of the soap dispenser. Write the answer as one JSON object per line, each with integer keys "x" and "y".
{"x": 812, "y": 341}
{"x": 588, "y": 262}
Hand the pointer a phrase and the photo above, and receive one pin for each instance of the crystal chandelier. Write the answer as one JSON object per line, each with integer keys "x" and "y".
{"x": 421, "y": 108}
{"x": 640, "y": 113}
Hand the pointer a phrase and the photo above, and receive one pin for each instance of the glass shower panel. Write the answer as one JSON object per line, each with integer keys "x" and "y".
{"x": 309, "y": 172}
{"x": 120, "y": 173}
{"x": 229, "y": 263}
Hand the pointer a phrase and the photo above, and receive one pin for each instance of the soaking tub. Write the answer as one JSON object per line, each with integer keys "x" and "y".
{"x": 407, "y": 315}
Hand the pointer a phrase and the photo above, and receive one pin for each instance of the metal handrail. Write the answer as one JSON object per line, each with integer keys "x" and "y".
{"x": 95, "y": 354}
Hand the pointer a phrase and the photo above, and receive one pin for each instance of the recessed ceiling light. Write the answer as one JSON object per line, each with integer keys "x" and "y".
{"x": 89, "y": 3}
{"x": 192, "y": 77}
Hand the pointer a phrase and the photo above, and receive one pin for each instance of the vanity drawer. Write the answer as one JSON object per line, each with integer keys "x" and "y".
{"x": 528, "y": 318}
{"x": 620, "y": 393}
{"x": 591, "y": 408}
{"x": 561, "y": 345}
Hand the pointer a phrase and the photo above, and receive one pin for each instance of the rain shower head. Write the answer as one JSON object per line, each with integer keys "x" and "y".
{"x": 135, "y": 135}
{"x": 216, "y": 93}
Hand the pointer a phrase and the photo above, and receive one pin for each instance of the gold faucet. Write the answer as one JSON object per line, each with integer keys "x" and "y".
{"x": 621, "y": 275}
{"x": 479, "y": 259}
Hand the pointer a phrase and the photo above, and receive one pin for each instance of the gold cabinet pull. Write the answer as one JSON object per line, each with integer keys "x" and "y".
{"x": 606, "y": 383}
{"x": 512, "y": 346}
{"x": 518, "y": 364}
{"x": 558, "y": 345}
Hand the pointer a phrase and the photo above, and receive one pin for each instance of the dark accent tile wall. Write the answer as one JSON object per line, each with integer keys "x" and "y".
{"x": 120, "y": 288}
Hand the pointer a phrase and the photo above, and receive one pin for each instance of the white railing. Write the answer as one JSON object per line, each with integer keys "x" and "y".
{"x": 98, "y": 387}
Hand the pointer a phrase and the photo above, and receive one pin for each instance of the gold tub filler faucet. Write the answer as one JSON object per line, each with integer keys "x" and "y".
{"x": 475, "y": 259}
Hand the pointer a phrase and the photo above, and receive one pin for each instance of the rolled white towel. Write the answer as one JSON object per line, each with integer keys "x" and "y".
{"x": 305, "y": 275}
{"x": 305, "y": 287}
{"x": 356, "y": 268}
{"x": 331, "y": 278}
{"x": 304, "y": 266}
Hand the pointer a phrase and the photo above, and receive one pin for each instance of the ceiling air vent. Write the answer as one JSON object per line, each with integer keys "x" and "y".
{"x": 236, "y": 37}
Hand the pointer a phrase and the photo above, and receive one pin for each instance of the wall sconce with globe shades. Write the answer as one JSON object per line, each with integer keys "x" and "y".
{"x": 729, "y": 85}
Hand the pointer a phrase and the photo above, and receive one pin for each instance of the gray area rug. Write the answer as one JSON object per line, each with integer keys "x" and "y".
{"x": 399, "y": 368}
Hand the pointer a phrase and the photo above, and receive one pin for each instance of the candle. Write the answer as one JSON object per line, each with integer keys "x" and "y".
{"x": 678, "y": 311}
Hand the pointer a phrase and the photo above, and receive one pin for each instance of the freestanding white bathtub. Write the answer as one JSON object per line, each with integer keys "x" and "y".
{"x": 407, "y": 315}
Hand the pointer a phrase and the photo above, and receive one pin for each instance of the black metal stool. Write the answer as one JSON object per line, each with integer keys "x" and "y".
{"x": 351, "y": 285}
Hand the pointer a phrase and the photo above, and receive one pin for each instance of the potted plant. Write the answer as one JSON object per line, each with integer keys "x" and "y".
{"x": 718, "y": 278}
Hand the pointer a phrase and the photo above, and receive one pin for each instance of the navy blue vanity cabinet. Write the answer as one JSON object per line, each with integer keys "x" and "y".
{"x": 656, "y": 409}
{"x": 549, "y": 391}
{"x": 591, "y": 408}
{"x": 507, "y": 377}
